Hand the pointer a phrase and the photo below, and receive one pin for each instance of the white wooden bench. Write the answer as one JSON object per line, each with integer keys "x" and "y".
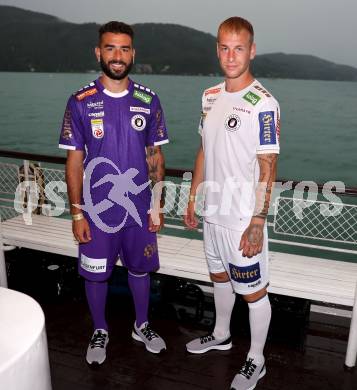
{"x": 292, "y": 275}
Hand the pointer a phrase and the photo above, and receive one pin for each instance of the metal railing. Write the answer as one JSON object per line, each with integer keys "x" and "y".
{"x": 292, "y": 216}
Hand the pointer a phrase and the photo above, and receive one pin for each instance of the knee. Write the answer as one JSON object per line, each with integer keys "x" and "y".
{"x": 250, "y": 298}
{"x": 221, "y": 277}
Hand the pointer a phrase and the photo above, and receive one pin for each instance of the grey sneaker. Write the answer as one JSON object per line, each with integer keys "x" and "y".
{"x": 248, "y": 376}
{"x": 208, "y": 342}
{"x": 153, "y": 342}
{"x": 96, "y": 352}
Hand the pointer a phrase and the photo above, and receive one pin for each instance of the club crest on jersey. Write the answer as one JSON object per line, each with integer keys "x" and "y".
{"x": 232, "y": 123}
{"x": 97, "y": 128}
{"x": 138, "y": 122}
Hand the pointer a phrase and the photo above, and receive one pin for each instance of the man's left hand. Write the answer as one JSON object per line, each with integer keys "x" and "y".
{"x": 251, "y": 242}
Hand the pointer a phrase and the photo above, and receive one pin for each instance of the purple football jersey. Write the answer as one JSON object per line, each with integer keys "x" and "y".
{"x": 113, "y": 130}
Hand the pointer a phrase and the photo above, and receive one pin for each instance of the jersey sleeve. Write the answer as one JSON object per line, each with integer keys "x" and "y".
{"x": 71, "y": 137}
{"x": 156, "y": 131}
{"x": 266, "y": 124}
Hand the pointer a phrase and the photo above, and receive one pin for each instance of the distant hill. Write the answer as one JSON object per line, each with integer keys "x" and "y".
{"x": 31, "y": 41}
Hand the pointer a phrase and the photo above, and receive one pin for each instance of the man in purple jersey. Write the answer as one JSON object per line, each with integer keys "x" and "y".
{"x": 112, "y": 130}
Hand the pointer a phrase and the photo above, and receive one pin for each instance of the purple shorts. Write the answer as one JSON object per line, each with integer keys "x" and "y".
{"x": 135, "y": 245}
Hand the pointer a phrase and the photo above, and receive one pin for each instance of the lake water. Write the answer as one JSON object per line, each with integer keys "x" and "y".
{"x": 318, "y": 127}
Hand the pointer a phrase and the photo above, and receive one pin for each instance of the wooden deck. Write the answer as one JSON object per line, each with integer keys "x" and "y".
{"x": 309, "y": 358}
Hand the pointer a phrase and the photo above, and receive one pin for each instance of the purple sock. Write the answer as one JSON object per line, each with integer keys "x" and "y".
{"x": 97, "y": 297}
{"x": 140, "y": 289}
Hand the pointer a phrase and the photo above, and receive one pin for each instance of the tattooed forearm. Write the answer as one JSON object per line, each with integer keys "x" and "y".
{"x": 267, "y": 165}
{"x": 156, "y": 164}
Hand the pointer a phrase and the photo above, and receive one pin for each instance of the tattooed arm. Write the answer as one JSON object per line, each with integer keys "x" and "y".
{"x": 156, "y": 165}
{"x": 252, "y": 239}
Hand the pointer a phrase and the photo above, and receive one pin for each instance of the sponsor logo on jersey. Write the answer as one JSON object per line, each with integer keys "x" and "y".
{"x": 212, "y": 91}
{"x": 251, "y": 98}
{"x": 96, "y": 105}
{"x": 240, "y": 109}
{"x": 97, "y": 128}
{"x": 66, "y": 128}
{"x": 150, "y": 250}
{"x": 158, "y": 116}
{"x": 248, "y": 274}
{"x": 262, "y": 90}
{"x": 140, "y": 109}
{"x": 267, "y": 128}
{"x": 211, "y": 100}
{"x": 144, "y": 97}
{"x": 138, "y": 122}
{"x": 232, "y": 123}
{"x": 160, "y": 131}
{"x": 99, "y": 114}
{"x": 206, "y": 109}
{"x": 84, "y": 94}
{"x": 95, "y": 266}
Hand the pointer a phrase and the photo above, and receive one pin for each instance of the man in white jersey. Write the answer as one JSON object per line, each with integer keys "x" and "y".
{"x": 236, "y": 166}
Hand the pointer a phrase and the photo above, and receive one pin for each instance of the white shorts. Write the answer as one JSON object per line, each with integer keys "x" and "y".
{"x": 248, "y": 275}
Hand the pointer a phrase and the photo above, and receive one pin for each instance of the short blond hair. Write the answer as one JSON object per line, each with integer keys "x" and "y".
{"x": 236, "y": 24}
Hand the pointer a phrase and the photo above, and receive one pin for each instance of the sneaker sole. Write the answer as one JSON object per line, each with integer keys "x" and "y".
{"x": 138, "y": 338}
{"x": 259, "y": 377}
{"x": 225, "y": 347}
{"x": 96, "y": 362}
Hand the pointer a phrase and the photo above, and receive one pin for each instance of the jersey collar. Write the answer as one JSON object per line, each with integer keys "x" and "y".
{"x": 114, "y": 94}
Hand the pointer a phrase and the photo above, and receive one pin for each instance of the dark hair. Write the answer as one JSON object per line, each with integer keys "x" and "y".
{"x": 116, "y": 28}
{"x": 235, "y": 24}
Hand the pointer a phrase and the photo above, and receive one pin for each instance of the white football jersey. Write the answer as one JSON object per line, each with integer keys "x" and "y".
{"x": 235, "y": 128}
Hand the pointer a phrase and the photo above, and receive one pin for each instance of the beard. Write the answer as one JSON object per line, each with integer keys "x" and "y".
{"x": 113, "y": 74}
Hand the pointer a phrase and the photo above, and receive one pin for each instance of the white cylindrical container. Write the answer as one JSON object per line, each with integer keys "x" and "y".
{"x": 24, "y": 363}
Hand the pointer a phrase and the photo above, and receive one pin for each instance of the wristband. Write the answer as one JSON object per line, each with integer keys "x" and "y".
{"x": 192, "y": 198}
{"x": 77, "y": 217}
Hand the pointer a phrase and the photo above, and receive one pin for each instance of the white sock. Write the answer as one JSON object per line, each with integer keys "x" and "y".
{"x": 259, "y": 320}
{"x": 224, "y": 298}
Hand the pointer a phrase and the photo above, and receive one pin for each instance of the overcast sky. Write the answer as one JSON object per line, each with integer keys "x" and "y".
{"x": 325, "y": 28}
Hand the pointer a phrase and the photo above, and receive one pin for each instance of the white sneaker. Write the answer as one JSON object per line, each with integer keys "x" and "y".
{"x": 96, "y": 352}
{"x": 153, "y": 342}
{"x": 207, "y": 343}
{"x": 248, "y": 376}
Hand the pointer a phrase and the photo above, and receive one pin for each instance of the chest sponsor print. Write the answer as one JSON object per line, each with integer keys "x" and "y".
{"x": 144, "y": 97}
{"x": 232, "y": 123}
{"x": 96, "y": 105}
{"x": 140, "y": 109}
{"x": 97, "y": 128}
{"x": 99, "y": 114}
{"x": 251, "y": 98}
{"x": 138, "y": 122}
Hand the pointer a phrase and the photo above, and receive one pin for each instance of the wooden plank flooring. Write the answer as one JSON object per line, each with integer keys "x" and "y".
{"x": 298, "y": 358}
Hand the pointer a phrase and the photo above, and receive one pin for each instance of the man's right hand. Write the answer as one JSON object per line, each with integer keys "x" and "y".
{"x": 189, "y": 218}
{"x": 81, "y": 231}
